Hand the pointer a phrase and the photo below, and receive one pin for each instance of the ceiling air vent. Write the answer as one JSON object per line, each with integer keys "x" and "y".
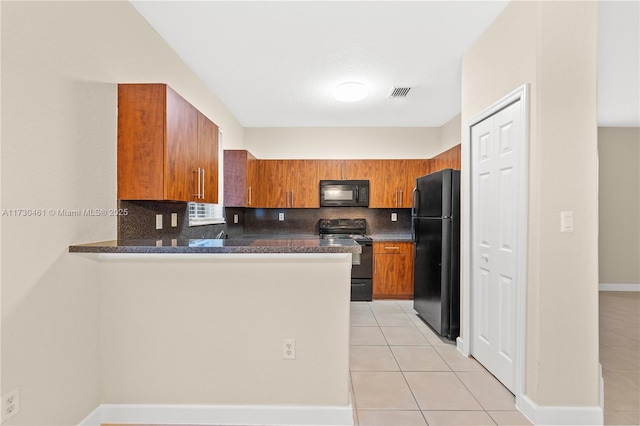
{"x": 399, "y": 92}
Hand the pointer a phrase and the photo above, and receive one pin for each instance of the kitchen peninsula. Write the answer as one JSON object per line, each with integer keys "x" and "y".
{"x": 197, "y": 329}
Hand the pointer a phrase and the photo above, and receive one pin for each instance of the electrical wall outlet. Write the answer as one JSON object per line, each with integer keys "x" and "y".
{"x": 10, "y": 403}
{"x": 158, "y": 221}
{"x": 235, "y": 218}
{"x": 174, "y": 220}
{"x": 289, "y": 349}
{"x": 394, "y": 217}
{"x": 281, "y": 216}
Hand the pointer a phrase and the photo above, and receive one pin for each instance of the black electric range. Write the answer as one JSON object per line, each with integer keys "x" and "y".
{"x": 355, "y": 229}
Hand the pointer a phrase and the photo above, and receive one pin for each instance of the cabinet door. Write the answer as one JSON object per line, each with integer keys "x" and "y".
{"x": 414, "y": 169}
{"x": 395, "y": 178}
{"x": 449, "y": 159}
{"x": 375, "y": 172}
{"x": 238, "y": 173}
{"x": 393, "y": 270}
{"x": 269, "y": 184}
{"x": 180, "y": 170}
{"x": 141, "y": 114}
{"x": 331, "y": 169}
{"x": 303, "y": 184}
{"x": 208, "y": 159}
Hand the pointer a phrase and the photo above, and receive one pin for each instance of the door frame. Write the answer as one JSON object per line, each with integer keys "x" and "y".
{"x": 464, "y": 342}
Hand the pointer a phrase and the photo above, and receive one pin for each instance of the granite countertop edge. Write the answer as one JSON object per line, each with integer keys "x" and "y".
{"x": 258, "y": 246}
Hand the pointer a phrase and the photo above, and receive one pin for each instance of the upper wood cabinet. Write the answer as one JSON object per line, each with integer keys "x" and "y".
{"x": 167, "y": 150}
{"x": 449, "y": 159}
{"x": 238, "y": 171}
{"x": 208, "y": 160}
{"x": 284, "y": 184}
{"x": 295, "y": 183}
{"x": 413, "y": 169}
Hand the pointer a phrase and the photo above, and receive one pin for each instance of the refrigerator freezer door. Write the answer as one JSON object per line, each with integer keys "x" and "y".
{"x": 433, "y": 195}
{"x": 432, "y": 281}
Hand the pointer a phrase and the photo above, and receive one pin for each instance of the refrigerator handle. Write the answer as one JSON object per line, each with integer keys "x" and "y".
{"x": 414, "y": 205}
{"x": 413, "y": 230}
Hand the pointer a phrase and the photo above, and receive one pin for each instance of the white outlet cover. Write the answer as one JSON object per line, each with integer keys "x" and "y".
{"x": 174, "y": 220}
{"x": 289, "y": 349}
{"x": 394, "y": 217}
{"x": 158, "y": 221}
{"x": 280, "y": 217}
{"x": 10, "y": 403}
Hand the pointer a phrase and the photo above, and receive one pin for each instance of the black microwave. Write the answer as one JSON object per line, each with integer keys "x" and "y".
{"x": 344, "y": 193}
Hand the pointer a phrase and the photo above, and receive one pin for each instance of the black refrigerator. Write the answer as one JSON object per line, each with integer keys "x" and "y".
{"x": 436, "y": 233}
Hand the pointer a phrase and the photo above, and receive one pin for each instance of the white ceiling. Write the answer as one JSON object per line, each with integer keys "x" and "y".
{"x": 276, "y": 63}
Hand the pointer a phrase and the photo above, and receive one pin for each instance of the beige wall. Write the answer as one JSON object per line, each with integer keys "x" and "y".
{"x": 552, "y": 47}
{"x": 343, "y": 142}
{"x": 619, "y": 193}
{"x": 450, "y": 133}
{"x": 210, "y": 330}
{"x": 60, "y": 65}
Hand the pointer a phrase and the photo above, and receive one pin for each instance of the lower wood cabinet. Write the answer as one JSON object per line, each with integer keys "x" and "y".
{"x": 393, "y": 270}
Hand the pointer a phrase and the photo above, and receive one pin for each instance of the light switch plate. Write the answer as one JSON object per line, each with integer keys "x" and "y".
{"x": 566, "y": 221}
{"x": 174, "y": 220}
{"x": 158, "y": 221}
{"x": 235, "y": 218}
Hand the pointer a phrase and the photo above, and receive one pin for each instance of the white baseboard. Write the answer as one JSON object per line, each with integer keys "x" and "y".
{"x": 93, "y": 419}
{"x": 619, "y": 287}
{"x": 221, "y": 414}
{"x": 558, "y": 415}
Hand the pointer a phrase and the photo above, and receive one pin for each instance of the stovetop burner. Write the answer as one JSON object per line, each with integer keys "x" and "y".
{"x": 343, "y": 228}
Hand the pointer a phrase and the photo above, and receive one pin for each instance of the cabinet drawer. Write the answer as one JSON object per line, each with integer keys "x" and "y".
{"x": 391, "y": 247}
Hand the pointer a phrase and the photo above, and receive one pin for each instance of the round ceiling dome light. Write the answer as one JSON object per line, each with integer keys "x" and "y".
{"x": 350, "y": 92}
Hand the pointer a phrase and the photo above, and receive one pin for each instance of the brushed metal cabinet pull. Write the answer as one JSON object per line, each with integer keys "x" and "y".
{"x": 197, "y": 194}
{"x": 203, "y": 180}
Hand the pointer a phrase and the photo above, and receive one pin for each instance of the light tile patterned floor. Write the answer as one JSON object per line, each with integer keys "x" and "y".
{"x": 404, "y": 374}
{"x": 620, "y": 356}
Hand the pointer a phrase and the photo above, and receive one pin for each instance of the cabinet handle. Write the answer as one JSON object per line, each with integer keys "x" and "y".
{"x": 401, "y": 198}
{"x": 203, "y": 182}
{"x": 197, "y": 194}
{"x": 392, "y": 248}
{"x": 249, "y": 189}
{"x": 375, "y": 266}
{"x": 396, "y": 198}
{"x": 292, "y": 199}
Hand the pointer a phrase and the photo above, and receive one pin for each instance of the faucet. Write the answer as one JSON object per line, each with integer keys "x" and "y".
{"x": 219, "y": 236}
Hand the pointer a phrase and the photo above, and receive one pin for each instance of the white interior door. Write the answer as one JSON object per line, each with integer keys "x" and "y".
{"x": 494, "y": 213}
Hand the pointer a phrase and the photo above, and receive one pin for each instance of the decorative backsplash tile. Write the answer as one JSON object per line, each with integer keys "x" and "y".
{"x": 140, "y": 222}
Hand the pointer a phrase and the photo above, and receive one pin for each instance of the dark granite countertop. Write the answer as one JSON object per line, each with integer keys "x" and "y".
{"x": 400, "y": 238}
{"x": 239, "y": 245}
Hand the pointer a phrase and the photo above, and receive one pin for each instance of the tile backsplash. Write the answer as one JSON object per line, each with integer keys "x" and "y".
{"x": 305, "y": 221}
{"x": 140, "y": 222}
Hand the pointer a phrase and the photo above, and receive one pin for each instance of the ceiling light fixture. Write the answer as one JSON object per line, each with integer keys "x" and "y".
{"x": 350, "y": 92}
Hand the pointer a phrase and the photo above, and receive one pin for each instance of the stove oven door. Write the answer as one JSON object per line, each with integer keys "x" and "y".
{"x": 361, "y": 288}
